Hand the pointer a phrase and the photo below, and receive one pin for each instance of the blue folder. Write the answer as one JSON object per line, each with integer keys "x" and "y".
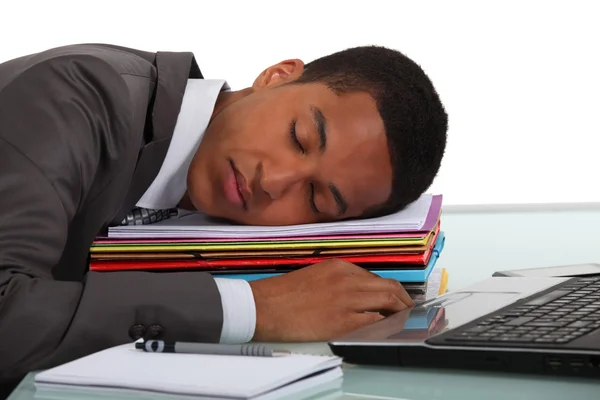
{"x": 402, "y": 275}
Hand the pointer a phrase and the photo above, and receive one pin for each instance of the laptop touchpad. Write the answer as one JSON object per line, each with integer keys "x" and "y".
{"x": 453, "y": 310}
{"x": 432, "y": 317}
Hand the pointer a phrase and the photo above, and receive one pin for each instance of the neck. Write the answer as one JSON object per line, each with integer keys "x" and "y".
{"x": 186, "y": 203}
{"x": 227, "y": 98}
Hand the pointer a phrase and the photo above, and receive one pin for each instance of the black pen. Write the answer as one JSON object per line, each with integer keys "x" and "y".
{"x": 253, "y": 350}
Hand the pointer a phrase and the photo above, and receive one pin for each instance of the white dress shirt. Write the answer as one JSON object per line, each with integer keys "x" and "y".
{"x": 169, "y": 186}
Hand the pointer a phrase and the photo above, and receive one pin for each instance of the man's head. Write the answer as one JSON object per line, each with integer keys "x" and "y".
{"x": 358, "y": 133}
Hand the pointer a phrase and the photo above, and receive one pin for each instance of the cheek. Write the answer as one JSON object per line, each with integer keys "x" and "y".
{"x": 253, "y": 129}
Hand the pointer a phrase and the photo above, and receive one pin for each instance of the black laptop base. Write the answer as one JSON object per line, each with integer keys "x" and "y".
{"x": 519, "y": 362}
{"x": 564, "y": 317}
{"x": 555, "y": 331}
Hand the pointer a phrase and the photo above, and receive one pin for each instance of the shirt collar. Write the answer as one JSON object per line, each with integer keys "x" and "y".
{"x": 197, "y": 107}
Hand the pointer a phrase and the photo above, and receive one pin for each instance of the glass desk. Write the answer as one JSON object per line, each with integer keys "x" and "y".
{"x": 477, "y": 245}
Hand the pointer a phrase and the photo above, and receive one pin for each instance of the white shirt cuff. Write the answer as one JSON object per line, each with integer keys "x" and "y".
{"x": 239, "y": 310}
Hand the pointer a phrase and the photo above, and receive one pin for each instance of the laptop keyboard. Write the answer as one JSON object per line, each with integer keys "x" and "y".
{"x": 560, "y": 316}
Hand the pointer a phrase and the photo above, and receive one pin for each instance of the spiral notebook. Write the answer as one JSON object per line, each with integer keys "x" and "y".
{"x": 125, "y": 369}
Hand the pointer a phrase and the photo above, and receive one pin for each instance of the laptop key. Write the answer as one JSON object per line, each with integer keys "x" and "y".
{"x": 583, "y": 331}
{"x": 512, "y": 314}
{"x": 503, "y": 328}
{"x": 477, "y": 329}
{"x": 534, "y": 314}
{"x": 502, "y": 339}
{"x": 590, "y": 319}
{"x": 579, "y": 324}
{"x": 565, "y": 331}
{"x": 467, "y": 339}
{"x": 546, "y": 319}
{"x": 544, "y": 340}
{"x": 556, "y": 324}
{"x": 522, "y": 329}
{"x": 522, "y": 339}
{"x": 529, "y": 336}
{"x": 562, "y": 310}
{"x": 578, "y": 314}
{"x": 520, "y": 321}
{"x": 547, "y": 298}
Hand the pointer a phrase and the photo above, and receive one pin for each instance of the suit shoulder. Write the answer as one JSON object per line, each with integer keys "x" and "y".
{"x": 122, "y": 60}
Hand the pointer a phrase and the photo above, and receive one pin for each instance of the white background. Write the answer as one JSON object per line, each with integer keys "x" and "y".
{"x": 520, "y": 79}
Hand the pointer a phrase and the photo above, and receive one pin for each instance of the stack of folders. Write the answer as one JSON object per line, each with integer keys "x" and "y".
{"x": 404, "y": 246}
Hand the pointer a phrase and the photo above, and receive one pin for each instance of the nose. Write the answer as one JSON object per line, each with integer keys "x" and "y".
{"x": 278, "y": 179}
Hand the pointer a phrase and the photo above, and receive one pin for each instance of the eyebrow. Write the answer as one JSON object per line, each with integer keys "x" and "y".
{"x": 340, "y": 202}
{"x": 321, "y": 124}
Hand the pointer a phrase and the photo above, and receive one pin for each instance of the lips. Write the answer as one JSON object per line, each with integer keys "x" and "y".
{"x": 234, "y": 186}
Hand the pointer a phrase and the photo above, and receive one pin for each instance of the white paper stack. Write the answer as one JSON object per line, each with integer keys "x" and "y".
{"x": 123, "y": 369}
{"x": 418, "y": 216}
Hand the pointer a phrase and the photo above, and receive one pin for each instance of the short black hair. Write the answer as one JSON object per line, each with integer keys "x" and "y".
{"x": 413, "y": 115}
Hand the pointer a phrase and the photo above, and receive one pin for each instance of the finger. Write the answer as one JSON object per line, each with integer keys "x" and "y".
{"x": 376, "y": 302}
{"x": 402, "y": 293}
{"x": 355, "y": 321}
{"x": 379, "y": 284}
{"x": 363, "y": 319}
{"x": 349, "y": 268}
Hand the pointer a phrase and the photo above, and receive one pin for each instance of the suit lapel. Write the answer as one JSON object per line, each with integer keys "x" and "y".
{"x": 173, "y": 72}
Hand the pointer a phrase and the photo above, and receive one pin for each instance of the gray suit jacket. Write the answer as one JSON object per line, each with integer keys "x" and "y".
{"x": 83, "y": 132}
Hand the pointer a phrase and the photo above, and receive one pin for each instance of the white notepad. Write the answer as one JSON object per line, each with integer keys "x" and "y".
{"x": 124, "y": 368}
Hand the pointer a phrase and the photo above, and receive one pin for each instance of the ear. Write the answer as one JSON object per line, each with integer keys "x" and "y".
{"x": 278, "y": 74}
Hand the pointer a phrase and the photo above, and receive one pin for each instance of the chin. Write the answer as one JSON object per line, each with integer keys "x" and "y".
{"x": 194, "y": 200}
{"x": 196, "y": 203}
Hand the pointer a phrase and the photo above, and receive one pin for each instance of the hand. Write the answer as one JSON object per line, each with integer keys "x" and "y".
{"x": 321, "y": 301}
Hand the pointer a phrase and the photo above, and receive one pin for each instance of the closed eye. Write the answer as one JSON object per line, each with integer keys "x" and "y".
{"x": 313, "y": 205}
{"x": 296, "y": 142}
{"x": 294, "y": 137}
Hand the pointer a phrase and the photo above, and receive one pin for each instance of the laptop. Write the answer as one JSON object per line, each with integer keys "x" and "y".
{"x": 544, "y": 325}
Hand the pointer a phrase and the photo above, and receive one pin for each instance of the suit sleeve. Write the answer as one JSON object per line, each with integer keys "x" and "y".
{"x": 56, "y": 120}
